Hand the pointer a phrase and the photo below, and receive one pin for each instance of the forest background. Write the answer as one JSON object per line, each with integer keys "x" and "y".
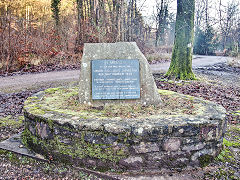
{"x": 33, "y": 33}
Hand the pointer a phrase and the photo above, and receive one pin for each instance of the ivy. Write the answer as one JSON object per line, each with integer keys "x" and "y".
{"x": 56, "y": 10}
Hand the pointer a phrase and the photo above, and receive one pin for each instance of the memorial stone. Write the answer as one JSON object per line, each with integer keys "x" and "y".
{"x": 129, "y": 140}
{"x": 116, "y": 73}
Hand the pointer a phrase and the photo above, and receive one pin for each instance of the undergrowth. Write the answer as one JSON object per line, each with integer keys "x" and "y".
{"x": 229, "y": 157}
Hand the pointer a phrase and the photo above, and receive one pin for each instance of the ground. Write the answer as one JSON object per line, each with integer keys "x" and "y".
{"x": 216, "y": 83}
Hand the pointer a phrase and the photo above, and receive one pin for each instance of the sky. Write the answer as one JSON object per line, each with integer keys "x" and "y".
{"x": 148, "y": 7}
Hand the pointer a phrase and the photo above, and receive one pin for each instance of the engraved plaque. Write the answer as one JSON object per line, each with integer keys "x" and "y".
{"x": 115, "y": 79}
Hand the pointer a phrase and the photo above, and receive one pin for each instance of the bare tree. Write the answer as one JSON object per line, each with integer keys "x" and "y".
{"x": 161, "y": 19}
{"x": 229, "y": 20}
{"x": 79, "y": 39}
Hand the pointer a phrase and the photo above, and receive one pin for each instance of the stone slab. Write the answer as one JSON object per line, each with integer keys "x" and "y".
{"x": 15, "y": 145}
{"x": 115, "y": 79}
{"x": 116, "y": 51}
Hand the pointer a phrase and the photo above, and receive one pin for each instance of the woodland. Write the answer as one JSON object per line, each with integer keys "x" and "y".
{"x": 49, "y": 35}
{"x": 35, "y": 33}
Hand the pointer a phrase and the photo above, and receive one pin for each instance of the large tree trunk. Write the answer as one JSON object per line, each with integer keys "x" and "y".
{"x": 181, "y": 63}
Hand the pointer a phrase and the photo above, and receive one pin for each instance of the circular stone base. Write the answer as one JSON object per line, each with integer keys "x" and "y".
{"x": 187, "y": 131}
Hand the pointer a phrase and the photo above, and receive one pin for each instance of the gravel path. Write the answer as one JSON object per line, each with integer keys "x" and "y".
{"x": 198, "y": 61}
{"x": 36, "y": 80}
{"x": 221, "y": 73}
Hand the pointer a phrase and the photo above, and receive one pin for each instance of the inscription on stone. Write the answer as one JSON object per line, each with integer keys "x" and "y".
{"x": 115, "y": 79}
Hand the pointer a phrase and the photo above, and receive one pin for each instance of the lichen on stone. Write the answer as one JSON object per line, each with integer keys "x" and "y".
{"x": 76, "y": 147}
{"x": 178, "y": 132}
{"x": 62, "y": 100}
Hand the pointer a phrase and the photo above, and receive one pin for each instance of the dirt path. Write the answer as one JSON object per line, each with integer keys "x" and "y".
{"x": 221, "y": 73}
{"x": 56, "y": 78}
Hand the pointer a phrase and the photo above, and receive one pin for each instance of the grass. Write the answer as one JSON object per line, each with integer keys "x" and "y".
{"x": 14, "y": 122}
{"x": 231, "y": 140}
{"x": 55, "y": 171}
{"x": 66, "y": 101}
{"x": 229, "y": 158}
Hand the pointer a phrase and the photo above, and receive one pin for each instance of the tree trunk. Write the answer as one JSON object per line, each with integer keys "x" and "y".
{"x": 160, "y": 23}
{"x": 79, "y": 39}
{"x": 129, "y": 28}
{"x": 123, "y": 27}
{"x": 163, "y": 32}
{"x": 92, "y": 14}
{"x": 85, "y": 10}
{"x": 181, "y": 63}
{"x": 55, "y": 9}
{"x": 132, "y": 21}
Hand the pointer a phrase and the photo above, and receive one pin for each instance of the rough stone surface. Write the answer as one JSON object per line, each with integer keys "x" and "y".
{"x": 14, "y": 144}
{"x": 120, "y": 50}
{"x": 132, "y": 162}
{"x": 196, "y": 155}
{"x": 194, "y": 147}
{"x": 146, "y": 147}
{"x": 153, "y": 142}
{"x": 42, "y": 130}
{"x": 172, "y": 144}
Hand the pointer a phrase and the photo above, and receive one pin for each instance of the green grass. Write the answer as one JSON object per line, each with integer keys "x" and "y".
{"x": 52, "y": 169}
{"x": 229, "y": 158}
{"x": 11, "y": 121}
{"x": 232, "y": 140}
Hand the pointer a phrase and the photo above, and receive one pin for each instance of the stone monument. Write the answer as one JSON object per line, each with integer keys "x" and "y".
{"x": 82, "y": 125}
{"x": 116, "y": 73}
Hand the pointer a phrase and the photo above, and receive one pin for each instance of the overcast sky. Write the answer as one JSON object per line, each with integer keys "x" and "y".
{"x": 148, "y": 7}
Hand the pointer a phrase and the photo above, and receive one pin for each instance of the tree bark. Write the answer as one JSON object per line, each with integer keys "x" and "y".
{"x": 55, "y": 9}
{"x": 161, "y": 17}
{"x": 181, "y": 63}
{"x": 79, "y": 39}
{"x": 123, "y": 27}
{"x": 129, "y": 28}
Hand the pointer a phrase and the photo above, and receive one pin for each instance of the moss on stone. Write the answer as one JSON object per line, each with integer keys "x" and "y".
{"x": 73, "y": 132}
{"x": 31, "y": 100}
{"x": 236, "y": 129}
{"x": 11, "y": 121}
{"x": 36, "y": 110}
{"x": 204, "y": 160}
{"x": 79, "y": 148}
{"x": 29, "y": 140}
{"x": 231, "y": 143}
{"x": 166, "y": 92}
{"x": 62, "y": 100}
{"x": 181, "y": 63}
{"x": 226, "y": 155}
{"x": 51, "y": 90}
